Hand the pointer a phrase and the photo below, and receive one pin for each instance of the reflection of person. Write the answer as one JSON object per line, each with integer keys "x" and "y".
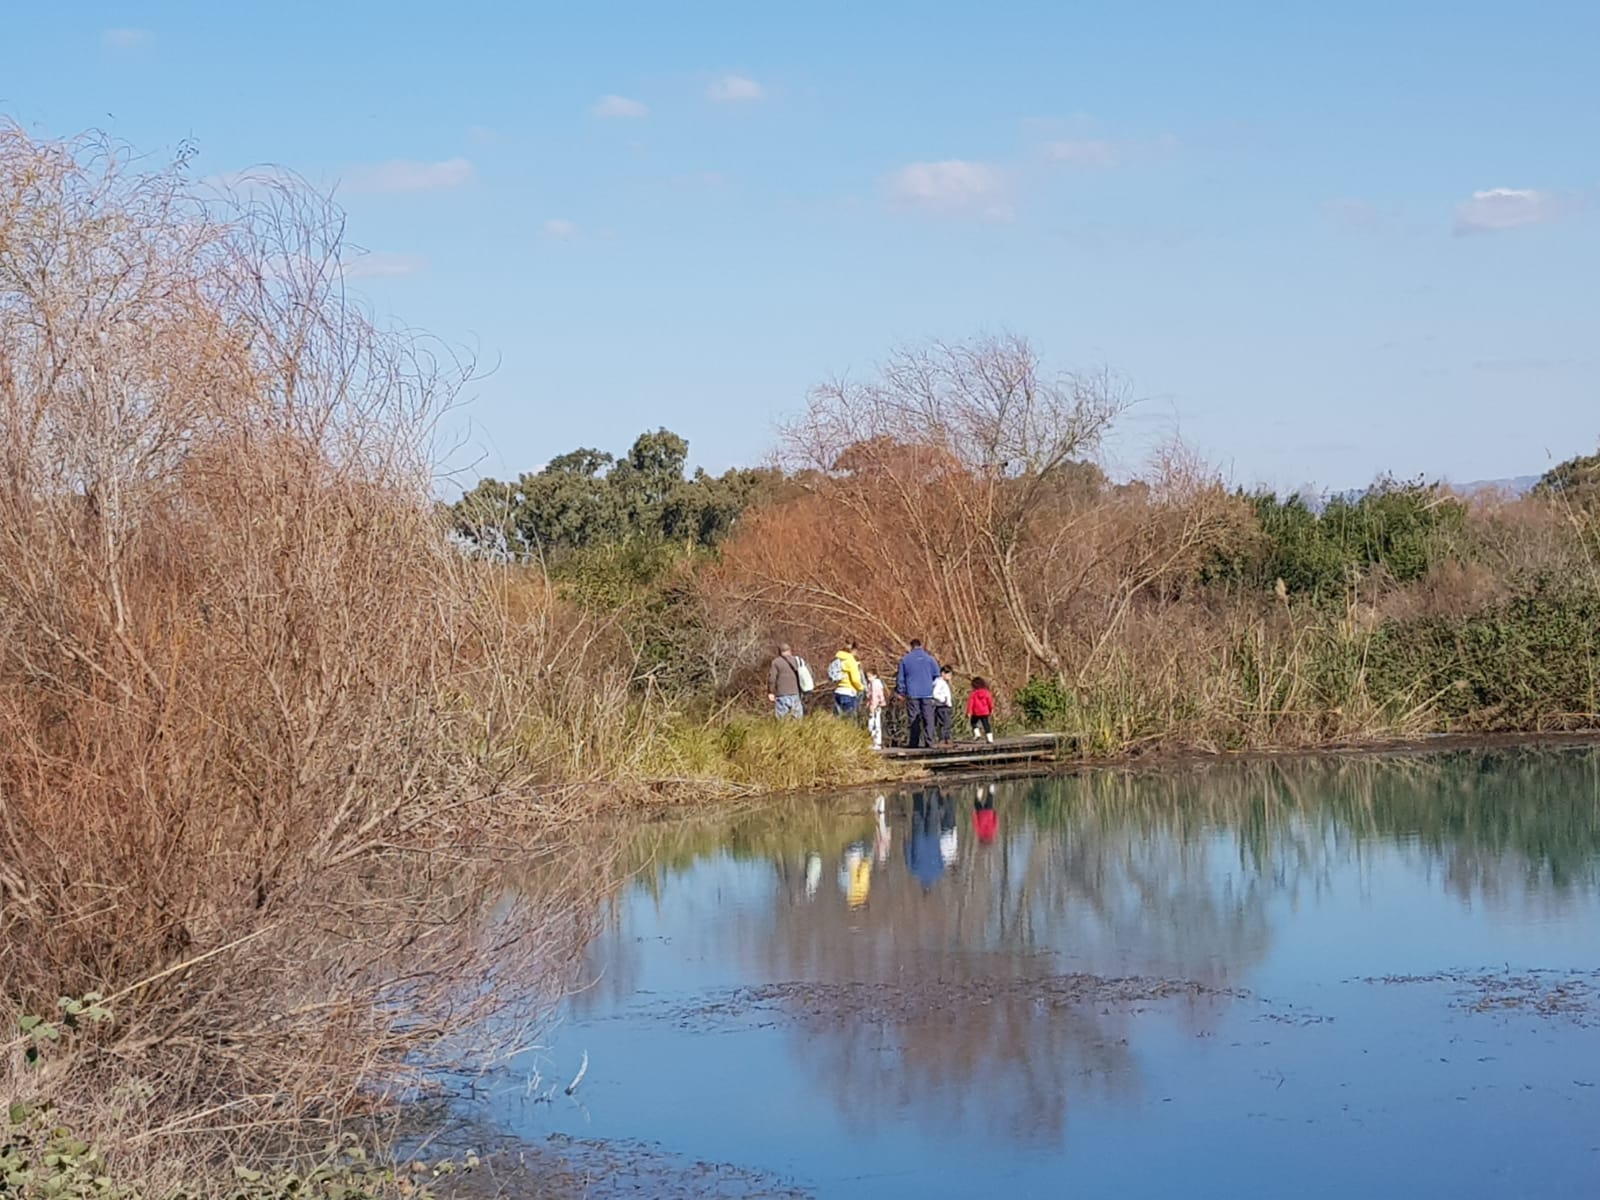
{"x": 813, "y": 874}
{"x": 985, "y": 821}
{"x": 947, "y": 832}
{"x": 855, "y": 877}
{"x": 922, "y": 847}
{"x": 881, "y": 838}
{"x": 783, "y": 684}
{"x": 980, "y": 709}
{"x": 914, "y": 681}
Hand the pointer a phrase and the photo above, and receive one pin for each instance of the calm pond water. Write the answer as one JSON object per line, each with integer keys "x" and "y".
{"x": 1330, "y": 977}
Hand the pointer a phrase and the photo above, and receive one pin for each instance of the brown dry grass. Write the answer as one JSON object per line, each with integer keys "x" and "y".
{"x": 254, "y": 710}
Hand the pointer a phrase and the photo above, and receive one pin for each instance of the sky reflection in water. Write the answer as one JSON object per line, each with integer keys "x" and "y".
{"x": 935, "y": 1042}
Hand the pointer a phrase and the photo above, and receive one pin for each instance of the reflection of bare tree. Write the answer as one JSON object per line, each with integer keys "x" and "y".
{"x": 1038, "y": 901}
{"x": 1003, "y": 1069}
{"x": 1158, "y": 874}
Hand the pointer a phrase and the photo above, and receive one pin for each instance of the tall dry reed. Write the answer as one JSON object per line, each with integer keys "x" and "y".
{"x": 249, "y": 729}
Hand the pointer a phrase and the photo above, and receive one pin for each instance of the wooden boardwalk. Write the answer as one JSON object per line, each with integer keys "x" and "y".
{"x": 970, "y": 755}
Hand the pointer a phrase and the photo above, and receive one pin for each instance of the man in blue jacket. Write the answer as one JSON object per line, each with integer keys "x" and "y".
{"x": 914, "y": 681}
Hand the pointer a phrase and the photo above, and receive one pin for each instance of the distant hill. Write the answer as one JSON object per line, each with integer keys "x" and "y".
{"x": 1517, "y": 485}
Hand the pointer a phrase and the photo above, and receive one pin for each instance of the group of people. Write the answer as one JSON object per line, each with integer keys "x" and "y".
{"x": 925, "y": 688}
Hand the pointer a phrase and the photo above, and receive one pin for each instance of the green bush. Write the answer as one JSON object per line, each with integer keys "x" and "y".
{"x": 1398, "y": 529}
{"x": 1043, "y": 702}
{"x": 1529, "y": 662}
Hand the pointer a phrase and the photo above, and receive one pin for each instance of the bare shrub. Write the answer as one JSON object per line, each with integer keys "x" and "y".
{"x": 945, "y": 460}
{"x": 244, "y": 716}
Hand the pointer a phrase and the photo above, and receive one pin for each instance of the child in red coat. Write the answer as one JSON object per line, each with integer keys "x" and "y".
{"x": 980, "y": 709}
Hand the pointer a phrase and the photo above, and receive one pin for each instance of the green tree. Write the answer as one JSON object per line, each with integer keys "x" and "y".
{"x": 587, "y": 499}
{"x": 1395, "y": 529}
{"x": 1576, "y": 481}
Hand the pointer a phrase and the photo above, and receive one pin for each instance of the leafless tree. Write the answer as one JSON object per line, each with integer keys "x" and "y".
{"x": 955, "y": 449}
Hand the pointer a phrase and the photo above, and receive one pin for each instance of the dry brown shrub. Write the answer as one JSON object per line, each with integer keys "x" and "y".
{"x": 248, "y": 720}
{"x": 956, "y": 500}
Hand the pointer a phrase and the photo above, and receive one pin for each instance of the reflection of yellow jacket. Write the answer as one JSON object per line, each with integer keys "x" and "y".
{"x": 860, "y": 883}
{"x": 853, "y": 682}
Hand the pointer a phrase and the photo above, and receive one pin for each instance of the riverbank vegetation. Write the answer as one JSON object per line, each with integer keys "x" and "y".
{"x": 257, "y": 769}
{"x": 272, "y": 719}
{"x": 956, "y": 498}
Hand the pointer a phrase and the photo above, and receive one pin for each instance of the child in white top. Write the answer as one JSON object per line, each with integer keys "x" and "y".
{"x": 943, "y": 700}
{"x": 877, "y": 701}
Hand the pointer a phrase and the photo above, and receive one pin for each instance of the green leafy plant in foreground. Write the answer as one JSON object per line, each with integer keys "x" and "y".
{"x": 40, "y": 1158}
{"x": 43, "y": 1157}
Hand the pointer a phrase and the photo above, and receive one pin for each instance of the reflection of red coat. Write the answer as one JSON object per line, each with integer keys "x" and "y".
{"x": 986, "y": 823}
{"x": 980, "y": 703}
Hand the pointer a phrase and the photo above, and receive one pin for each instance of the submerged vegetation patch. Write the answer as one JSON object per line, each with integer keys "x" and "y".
{"x": 1569, "y": 996}
{"x": 899, "y": 1002}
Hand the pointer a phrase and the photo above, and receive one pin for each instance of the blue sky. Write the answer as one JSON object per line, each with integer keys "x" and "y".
{"x": 1321, "y": 241}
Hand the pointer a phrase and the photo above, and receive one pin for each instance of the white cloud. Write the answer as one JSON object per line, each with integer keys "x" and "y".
{"x": 127, "y": 39}
{"x": 619, "y": 107}
{"x": 1498, "y": 209}
{"x": 735, "y": 89}
{"x": 382, "y": 265}
{"x": 953, "y": 187}
{"x": 403, "y": 175}
{"x": 482, "y": 135}
{"x": 561, "y": 228}
{"x": 1089, "y": 152}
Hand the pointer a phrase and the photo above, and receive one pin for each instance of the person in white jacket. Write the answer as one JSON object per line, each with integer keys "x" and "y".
{"x": 943, "y": 705}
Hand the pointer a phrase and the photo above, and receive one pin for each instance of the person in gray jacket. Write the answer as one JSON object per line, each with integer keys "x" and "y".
{"x": 783, "y": 684}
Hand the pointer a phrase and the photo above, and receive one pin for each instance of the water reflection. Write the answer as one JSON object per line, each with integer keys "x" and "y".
{"x": 1182, "y": 875}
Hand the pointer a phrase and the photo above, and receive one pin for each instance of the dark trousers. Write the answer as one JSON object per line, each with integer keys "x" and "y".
{"x": 941, "y": 722}
{"x": 921, "y": 714}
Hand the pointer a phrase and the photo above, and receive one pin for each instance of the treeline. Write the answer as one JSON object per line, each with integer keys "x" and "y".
{"x": 956, "y": 498}
{"x": 588, "y": 499}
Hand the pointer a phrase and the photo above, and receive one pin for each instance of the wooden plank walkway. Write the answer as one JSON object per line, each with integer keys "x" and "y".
{"x": 1028, "y": 747}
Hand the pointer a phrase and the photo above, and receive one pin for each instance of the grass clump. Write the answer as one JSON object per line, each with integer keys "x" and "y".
{"x": 760, "y": 754}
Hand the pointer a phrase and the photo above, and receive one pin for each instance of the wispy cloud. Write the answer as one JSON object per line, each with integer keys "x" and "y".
{"x": 482, "y": 135}
{"x": 1362, "y": 218}
{"x": 561, "y": 229}
{"x": 619, "y": 108}
{"x": 953, "y": 187}
{"x": 127, "y": 39}
{"x": 735, "y": 89}
{"x": 1101, "y": 152}
{"x": 1499, "y": 209}
{"x": 404, "y": 175}
{"x": 382, "y": 265}
{"x": 1083, "y": 152}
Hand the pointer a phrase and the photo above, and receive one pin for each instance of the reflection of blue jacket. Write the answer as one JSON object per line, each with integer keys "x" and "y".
{"x": 922, "y": 852}
{"x": 915, "y": 677}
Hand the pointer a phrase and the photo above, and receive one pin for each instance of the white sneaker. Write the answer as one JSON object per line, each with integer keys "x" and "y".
{"x": 990, "y": 736}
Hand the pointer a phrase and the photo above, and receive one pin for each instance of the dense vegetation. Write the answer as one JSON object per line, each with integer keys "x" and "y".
{"x": 269, "y": 720}
{"x": 956, "y": 499}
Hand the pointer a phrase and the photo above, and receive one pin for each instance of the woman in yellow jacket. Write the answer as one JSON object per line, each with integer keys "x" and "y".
{"x": 849, "y": 681}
